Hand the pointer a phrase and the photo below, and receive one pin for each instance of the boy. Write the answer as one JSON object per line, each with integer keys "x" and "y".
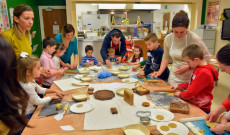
{"x": 111, "y": 55}
{"x": 155, "y": 53}
{"x": 49, "y": 45}
{"x": 89, "y": 60}
{"x": 199, "y": 89}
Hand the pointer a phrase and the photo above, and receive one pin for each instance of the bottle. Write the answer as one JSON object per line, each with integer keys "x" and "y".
{"x": 138, "y": 20}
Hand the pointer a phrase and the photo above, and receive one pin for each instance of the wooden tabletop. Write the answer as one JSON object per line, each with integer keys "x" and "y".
{"x": 48, "y": 125}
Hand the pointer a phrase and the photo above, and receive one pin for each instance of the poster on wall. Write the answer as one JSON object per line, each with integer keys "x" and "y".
{"x": 11, "y": 15}
{"x": 4, "y": 19}
{"x": 212, "y": 12}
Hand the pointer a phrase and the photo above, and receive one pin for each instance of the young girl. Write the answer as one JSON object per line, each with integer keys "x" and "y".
{"x": 138, "y": 56}
{"x": 60, "y": 50}
{"x": 28, "y": 70}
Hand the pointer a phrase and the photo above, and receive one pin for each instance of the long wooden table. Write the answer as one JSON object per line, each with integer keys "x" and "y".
{"x": 48, "y": 125}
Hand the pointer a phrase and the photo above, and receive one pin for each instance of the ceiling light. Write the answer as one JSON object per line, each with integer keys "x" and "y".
{"x": 146, "y": 6}
{"x": 112, "y": 6}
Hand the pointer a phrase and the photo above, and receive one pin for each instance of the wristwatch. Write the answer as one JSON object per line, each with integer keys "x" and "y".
{"x": 225, "y": 129}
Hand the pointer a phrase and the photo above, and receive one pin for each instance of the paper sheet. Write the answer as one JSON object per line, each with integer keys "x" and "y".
{"x": 67, "y": 128}
{"x": 66, "y": 84}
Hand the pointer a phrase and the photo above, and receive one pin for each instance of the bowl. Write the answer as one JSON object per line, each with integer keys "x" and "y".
{"x": 80, "y": 96}
{"x": 123, "y": 75}
{"x": 123, "y": 68}
{"x": 115, "y": 72}
{"x": 84, "y": 71}
{"x": 86, "y": 79}
{"x": 120, "y": 91}
{"x": 136, "y": 129}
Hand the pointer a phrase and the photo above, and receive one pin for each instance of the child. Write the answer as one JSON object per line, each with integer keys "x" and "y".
{"x": 89, "y": 60}
{"x": 199, "y": 89}
{"x": 138, "y": 56}
{"x": 223, "y": 58}
{"x": 60, "y": 50}
{"x": 12, "y": 96}
{"x": 49, "y": 45}
{"x": 29, "y": 69}
{"x": 155, "y": 53}
{"x": 111, "y": 55}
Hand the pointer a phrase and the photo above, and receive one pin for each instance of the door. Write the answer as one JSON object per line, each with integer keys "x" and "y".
{"x": 53, "y": 21}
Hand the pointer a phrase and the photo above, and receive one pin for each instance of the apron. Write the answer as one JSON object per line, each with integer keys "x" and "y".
{"x": 176, "y": 56}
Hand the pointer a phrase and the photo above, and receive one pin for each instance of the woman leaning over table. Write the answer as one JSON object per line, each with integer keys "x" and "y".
{"x": 174, "y": 44}
{"x": 68, "y": 38}
{"x": 19, "y": 35}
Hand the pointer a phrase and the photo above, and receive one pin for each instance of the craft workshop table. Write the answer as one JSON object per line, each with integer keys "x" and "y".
{"x": 48, "y": 125}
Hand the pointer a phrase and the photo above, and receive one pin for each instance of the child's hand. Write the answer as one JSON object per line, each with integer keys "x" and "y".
{"x": 60, "y": 94}
{"x": 130, "y": 63}
{"x": 155, "y": 75}
{"x": 142, "y": 73}
{"x": 175, "y": 87}
{"x": 54, "y": 97}
{"x": 99, "y": 64}
{"x": 87, "y": 64}
{"x": 118, "y": 60}
{"x": 176, "y": 94}
{"x": 61, "y": 71}
{"x": 67, "y": 65}
{"x": 108, "y": 63}
{"x": 218, "y": 129}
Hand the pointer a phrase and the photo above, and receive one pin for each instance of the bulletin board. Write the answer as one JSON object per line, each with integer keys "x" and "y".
{"x": 4, "y": 19}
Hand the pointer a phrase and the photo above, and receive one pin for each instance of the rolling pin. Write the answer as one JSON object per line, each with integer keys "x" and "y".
{"x": 183, "y": 120}
{"x": 165, "y": 90}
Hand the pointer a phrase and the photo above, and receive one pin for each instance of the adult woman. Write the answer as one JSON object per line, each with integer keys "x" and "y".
{"x": 223, "y": 58}
{"x": 19, "y": 35}
{"x": 13, "y": 99}
{"x": 174, "y": 44}
{"x": 70, "y": 41}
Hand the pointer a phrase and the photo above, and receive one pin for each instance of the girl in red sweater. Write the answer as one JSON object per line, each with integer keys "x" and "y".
{"x": 199, "y": 89}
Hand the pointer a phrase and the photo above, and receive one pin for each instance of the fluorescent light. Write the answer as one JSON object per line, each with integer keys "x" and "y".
{"x": 94, "y": 4}
{"x": 146, "y": 6}
{"x": 112, "y": 6}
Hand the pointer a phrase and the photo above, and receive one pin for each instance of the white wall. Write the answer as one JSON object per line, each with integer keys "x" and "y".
{"x": 146, "y": 16}
{"x": 173, "y": 9}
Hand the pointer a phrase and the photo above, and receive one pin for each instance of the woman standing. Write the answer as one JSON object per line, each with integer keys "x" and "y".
{"x": 70, "y": 41}
{"x": 19, "y": 35}
{"x": 174, "y": 44}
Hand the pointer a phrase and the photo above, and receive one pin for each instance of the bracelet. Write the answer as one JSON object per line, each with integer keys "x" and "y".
{"x": 225, "y": 129}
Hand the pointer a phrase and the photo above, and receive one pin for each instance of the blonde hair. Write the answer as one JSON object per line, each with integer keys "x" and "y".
{"x": 111, "y": 50}
{"x": 67, "y": 29}
{"x": 17, "y": 12}
{"x": 152, "y": 37}
{"x": 24, "y": 64}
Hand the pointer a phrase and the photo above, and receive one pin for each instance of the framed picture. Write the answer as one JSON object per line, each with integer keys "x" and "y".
{"x": 212, "y": 12}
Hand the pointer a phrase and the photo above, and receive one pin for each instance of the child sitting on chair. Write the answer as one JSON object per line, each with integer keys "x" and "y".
{"x": 89, "y": 60}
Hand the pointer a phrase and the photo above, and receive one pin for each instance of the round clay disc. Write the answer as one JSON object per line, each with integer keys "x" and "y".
{"x": 141, "y": 76}
{"x": 155, "y": 132}
{"x": 160, "y": 117}
{"x": 164, "y": 128}
{"x": 104, "y": 95}
{"x": 172, "y": 125}
{"x": 145, "y": 104}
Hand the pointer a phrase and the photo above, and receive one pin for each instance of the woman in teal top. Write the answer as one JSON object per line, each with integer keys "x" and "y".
{"x": 70, "y": 41}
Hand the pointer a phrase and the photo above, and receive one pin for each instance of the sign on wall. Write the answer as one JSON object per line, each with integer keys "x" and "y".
{"x": 212, "y": 12}
{"x": 4, "y": 19}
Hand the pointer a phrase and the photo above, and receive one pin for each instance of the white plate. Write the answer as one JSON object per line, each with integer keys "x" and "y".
{"x": 76, "y": 82}
{"x": 167, "y": 114}
{"x": 123, "y": 75}
{"x": 84, "y": 71}
{"x": 181, "y": 129}
{"x": 85, "y": 108}
{"x": 129, "y": 80}
{"x": 94, "y": 67}
{"x": 78, "y": 76}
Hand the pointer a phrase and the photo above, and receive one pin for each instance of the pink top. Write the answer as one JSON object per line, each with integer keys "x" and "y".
{"x": 47, "y": 62}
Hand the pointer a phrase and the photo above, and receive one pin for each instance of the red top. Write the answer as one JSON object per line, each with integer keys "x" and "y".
{"x": 116, "y": 47}
{"x": 226, "y": 104}
{"x": 199, "y": 89}
{"x": 136, "y": 59}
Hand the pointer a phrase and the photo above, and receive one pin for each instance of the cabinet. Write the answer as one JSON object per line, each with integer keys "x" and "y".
{"x": 209, "y": 38}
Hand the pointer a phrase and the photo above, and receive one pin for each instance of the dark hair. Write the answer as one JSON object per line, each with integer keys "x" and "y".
{"x": 223, "y": 55}
{"x": 116, "y": 34}
{"x": 59, "y": 46}
{"x": 180, "y": 19}
{"x": 67, "y": 29}
{"x": 140, "y": 49}
{"x": 193, "y": 51}
{"x": 13, "y": 97}
{"x": 88, "y": 47}
{"x": 48, "y": 41}
{"x": 152, "y": 37}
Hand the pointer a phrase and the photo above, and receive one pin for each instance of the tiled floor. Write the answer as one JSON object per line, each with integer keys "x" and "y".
{"x": 221, "y": 91}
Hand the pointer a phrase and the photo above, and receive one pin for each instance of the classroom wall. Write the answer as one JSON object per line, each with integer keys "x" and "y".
{"x": 51, "y": 2}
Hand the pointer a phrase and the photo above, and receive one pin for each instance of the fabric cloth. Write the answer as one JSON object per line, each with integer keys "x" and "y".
{"x": 226, "y": 104}
{"x": 107, "y": 43}
{"x": 72, "y": 48}
{"x": 142, "y": 63}
{"x": 104, "y": 74}
{"x": 56, "y": 61}
{"x": 86, "y": 59}
{"x": 47, "y": 62}
{"x": 32, "y": 89}
{"x": 199, "y": 89}
{"x": 154, "y": 61}
{"x": 112, "y": 59}
{"x": 4, "y": 130}
{"x": 18, "y": 45}
{"x": 173, "y": 48}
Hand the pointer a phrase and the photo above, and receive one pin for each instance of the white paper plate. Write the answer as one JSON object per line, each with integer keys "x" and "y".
{"x": 181, "y": 129}
{"x": 85, "y": 108}
{"x": 76, "y": 82}
{"x": 123, "y": 75}
{"x": 84, "y": 71}
{"x": 78, "y": 76}
{"x": 129, "y": 80}
{"x": 94, "y": 67}
{"x": 167, "y": 114}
